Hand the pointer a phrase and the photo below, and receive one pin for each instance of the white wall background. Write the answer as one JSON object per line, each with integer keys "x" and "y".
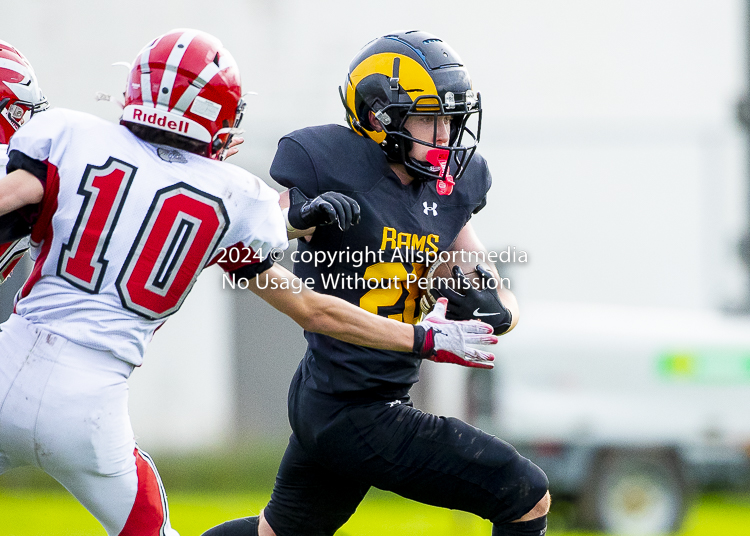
{"x": 609, "y": 127}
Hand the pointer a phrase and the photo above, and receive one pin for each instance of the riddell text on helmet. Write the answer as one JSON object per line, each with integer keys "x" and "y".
{"x": 160, "y": 120}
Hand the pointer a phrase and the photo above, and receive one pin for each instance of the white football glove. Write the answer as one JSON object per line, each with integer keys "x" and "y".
{"x": 446, "y": 341}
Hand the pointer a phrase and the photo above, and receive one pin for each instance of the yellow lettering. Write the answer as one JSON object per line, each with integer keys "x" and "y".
{"x": 430, "y": 242}
{"x": 417, "y": 242}
{"x": 389, "y": 236}
{"x": 392, "y": 239}
{"x": 404, "y": 239}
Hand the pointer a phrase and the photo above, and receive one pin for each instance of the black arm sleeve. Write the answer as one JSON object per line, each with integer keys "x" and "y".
{"x": 18, "y": 223}
{"x": 18, "y": 160}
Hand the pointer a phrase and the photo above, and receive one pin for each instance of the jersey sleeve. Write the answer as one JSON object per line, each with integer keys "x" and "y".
{"x": 43, "y": 138}
{"x": 36, "y": 147}
{"x": 259, "y": 232}
{"x": 292, "y": 166}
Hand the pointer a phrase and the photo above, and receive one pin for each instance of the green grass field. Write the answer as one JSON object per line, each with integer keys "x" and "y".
{"x": 27, "y": 512}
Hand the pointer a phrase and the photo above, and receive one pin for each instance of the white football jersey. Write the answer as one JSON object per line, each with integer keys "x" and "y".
{"x": 125, "y": 228}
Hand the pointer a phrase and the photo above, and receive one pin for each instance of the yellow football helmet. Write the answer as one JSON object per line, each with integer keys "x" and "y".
{"x": 413, "y": 73}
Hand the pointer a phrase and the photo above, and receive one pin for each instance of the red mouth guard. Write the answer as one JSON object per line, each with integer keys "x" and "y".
{"x": 439, "y": 157}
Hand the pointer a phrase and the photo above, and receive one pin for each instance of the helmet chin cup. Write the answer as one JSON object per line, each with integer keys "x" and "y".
{"x": 439, "y": 158}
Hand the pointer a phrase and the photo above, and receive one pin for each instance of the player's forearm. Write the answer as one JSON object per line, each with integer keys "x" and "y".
{"x": 346, "y": 322}
{"x": 331, "y": 316}
{"x": 18, "y": 189}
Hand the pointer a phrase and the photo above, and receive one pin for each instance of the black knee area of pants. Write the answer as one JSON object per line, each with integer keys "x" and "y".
{"x": 247, "y": 526}
{"x": 530, "y": 485}
{"x": 535, "y": 527}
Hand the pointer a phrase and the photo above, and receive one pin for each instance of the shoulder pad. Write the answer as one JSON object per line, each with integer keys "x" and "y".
{"x": 343, "y": 160}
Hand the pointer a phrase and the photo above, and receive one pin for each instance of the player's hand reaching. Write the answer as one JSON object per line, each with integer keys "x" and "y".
{"x": 446, "y": 341}
{"x": 233, "y": 147}
{"x": 473, "y": 303}
{"x": 327, "y": 208}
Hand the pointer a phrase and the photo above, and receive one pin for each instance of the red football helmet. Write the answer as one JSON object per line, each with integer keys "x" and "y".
{"x": 186, "y": 82}
{"x": 20, "y": 96}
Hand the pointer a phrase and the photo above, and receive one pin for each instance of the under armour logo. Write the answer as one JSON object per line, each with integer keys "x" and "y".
{"x": 394, "y": 403}
{"x": 427, "y": 209}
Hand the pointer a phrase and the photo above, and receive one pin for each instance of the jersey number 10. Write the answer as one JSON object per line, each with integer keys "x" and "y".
{"x": 180, "y": 232}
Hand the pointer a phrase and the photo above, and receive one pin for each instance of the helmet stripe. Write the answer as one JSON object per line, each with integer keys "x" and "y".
{"x": 187, "y": 98}
{"x": 170, "y": 69}
{"x": 14, "y": 66}
{"x": 146, "y": 74}
{"x": 26, "y": 91}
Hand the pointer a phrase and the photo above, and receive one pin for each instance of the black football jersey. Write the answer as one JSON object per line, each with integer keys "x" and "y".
{"x": 376, "y": 264}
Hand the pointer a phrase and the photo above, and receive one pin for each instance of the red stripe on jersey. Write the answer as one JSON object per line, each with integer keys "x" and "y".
{"x": 42, "y": 231}
{"x": 147, "y": 515}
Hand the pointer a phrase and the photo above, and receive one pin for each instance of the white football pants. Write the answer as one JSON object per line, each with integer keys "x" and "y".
{"x": 64, "y": 409}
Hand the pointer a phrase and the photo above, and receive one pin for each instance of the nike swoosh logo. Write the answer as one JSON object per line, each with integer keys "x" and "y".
{"x": 477, "y": 313}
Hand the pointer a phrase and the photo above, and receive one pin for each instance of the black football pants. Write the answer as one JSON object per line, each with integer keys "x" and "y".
{"x": 339, "y": 449}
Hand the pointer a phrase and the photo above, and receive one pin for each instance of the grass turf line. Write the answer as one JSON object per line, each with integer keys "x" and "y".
{"x": 55, "y": 513}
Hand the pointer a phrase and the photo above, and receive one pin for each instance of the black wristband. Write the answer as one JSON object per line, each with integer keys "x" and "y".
{"x": 419, "y": 336}
{"x": 294, "y": 217}
{"x": 424, "y": 343}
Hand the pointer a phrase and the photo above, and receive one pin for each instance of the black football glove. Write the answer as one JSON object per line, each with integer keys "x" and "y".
{"x": 476, "y": 304}
{"x": 327, "y": 208}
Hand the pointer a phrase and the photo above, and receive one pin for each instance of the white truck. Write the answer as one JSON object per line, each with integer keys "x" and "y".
{"x": 626, "y": 409}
